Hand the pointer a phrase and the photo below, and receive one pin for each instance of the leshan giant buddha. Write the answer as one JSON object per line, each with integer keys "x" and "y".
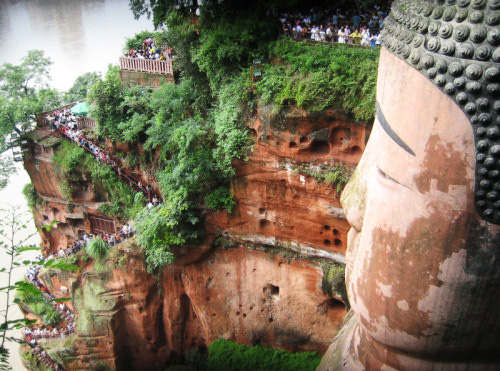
{"x": 423, "y": 258}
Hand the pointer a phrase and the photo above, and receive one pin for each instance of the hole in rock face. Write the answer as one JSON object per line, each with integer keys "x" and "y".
{"x": 45, "y": 217}
{"x": 263, "y": 223}
{"x": 320, "y": 146}
{"x": 253, "y": 133}
{"x": 330, "y": 304}
{"x": 326, "y": 227}
{"x": 340, "y": 136}
{"x": 271, "y": 290}
{"x": 337, "y": 242}
{"x": 244, "y": 315}
{"x": 237, "y": 313}
{"x": 303, "y": 139}
{"x": 262, "y": 210}
{"x": 355, "y": 150}
{"x": 292, "y": 144}
{"x": 271, "y": 319}
{"x": 335, "y": 231}
{"x": 327, "y": 242}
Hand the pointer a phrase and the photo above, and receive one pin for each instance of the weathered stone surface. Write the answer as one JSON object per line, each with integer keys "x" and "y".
{"x": 132, "y": 320}
{"x": 277, "y": 205}
{"x": 422, "y": 266}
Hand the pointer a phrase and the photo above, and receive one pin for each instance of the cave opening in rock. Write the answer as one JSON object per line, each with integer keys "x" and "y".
{"x": 271, "y": 290}
{"x": 320, "y": 146}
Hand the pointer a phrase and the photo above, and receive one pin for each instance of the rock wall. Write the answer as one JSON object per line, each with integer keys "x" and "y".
{"x": 277, "y": 204}
{"x": 262, "y": 281}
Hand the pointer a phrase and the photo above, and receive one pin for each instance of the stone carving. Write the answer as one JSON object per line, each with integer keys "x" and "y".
{"x": 422, "y": 259}
{"x": 463, "y": 38}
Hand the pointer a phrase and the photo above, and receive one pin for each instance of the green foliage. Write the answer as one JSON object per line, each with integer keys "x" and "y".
{"x": 137, "y": 40}
{"x": 220, "y": 199}
{"x": 156, "y": 233}
{"x": 226, "y": 45}
{"x": 97, "y": 249}
{"x": 31, "y": 196}
{"x": 232, "y": 139}
{"x": 122, "y": 113}
{"x": 35, "y": 303}
{"x": 107, "y": 95}
{"x": 317, "y": 76}
{"x": 31, "y": 360}
{"x": 23, "y": 93}
{"x": 81, "y": 87}
{"x": 77, "y": 167}
{"x": 333, "y": 282}
{"x": 226, "y": 355}
{"x": 336, "y": 175}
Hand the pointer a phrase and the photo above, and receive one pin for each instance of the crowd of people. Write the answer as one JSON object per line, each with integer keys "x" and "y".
{"x": 341, "y": 27}
{"x": 148, "y": 50}
{"x": 34, "y": 334}
{"x": 124, "y": 233}
{"x": 66, "y": 123}
{"x": 44, "y": 357}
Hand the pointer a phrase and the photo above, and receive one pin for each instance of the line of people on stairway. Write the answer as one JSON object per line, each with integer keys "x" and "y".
{"x": 45, "y": 358}
{"x": 34, "y": 334}
{"x": 65, "y": 122}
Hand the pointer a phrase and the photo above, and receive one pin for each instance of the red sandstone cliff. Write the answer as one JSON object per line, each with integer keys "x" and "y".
{"x": 262, "y": 282}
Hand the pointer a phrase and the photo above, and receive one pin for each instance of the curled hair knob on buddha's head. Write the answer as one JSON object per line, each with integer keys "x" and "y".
{"x": 456, "y": 44}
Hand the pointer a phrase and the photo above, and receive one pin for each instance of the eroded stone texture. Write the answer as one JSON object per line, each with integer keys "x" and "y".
{"x": 276, "y": 203}
{"x": 129, "y": 320}
{"x": 132, "y": 320}
{"x": 422, "y": 265}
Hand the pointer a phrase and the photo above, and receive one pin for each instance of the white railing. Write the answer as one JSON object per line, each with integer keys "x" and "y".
{"x": 147, "y": 65}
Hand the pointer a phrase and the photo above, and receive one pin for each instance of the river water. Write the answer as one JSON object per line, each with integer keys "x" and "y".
{"x": 79, "y": 36}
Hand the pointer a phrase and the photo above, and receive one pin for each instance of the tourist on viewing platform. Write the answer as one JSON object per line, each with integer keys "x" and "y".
{"x": 356, "y": 37}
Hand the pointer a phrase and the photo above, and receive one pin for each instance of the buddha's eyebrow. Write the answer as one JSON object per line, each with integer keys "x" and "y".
{"x": 391, "y": 132}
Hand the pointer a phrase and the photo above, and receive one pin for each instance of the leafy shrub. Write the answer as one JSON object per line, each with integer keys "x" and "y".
{"x": 107, "y": 96}
{"x": 31, "y": 195}
{"x": 35, "y": 303}
{"x": 97, "y": 248}
{"x": 317, "y": 76}
{"x": 156, "y": 234}
{"x": 226, "y": 355}
{"x": 81, "y": 86}
{"x": 220, "y": 199}
{"x": 77, "y": 167}
{"x": 137, "y": 40}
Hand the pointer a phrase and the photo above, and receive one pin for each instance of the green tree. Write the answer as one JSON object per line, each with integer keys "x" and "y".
{"x": 81, "y": 86}
{"x": 24, "y": 92}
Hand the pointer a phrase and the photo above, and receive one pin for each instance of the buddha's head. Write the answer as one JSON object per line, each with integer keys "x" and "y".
{"x": 423, "y": 259}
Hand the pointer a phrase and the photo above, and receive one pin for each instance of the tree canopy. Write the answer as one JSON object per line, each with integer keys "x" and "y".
{"x": 24, "y": 92}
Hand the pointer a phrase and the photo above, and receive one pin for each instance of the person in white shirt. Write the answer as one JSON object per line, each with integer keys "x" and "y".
{"x": 341, "y": 36}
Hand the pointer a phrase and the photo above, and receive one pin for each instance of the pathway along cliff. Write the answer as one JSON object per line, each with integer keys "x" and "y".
{"x": 269, "y": 273}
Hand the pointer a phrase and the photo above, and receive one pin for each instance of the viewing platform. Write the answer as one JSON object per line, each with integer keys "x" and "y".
{"x": 147, "y": 65}
{"x": 146, "y": 72}
{"x": 81, "y": 121}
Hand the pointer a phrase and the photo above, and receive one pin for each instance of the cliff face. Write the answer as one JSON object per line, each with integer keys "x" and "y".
{"x": 277, "y": 202}
{"x": 265, "y": 280}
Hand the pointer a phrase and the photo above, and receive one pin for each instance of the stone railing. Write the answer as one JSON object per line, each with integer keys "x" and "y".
{"x": 147, "y": 65}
